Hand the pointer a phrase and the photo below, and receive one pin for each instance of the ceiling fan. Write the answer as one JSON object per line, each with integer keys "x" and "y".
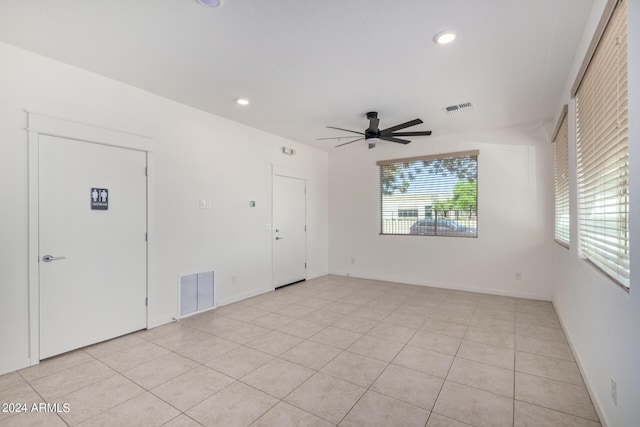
{"x": 373, "y": 134}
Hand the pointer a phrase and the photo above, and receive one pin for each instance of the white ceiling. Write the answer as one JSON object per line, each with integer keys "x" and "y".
{"x": 305, "y": 64}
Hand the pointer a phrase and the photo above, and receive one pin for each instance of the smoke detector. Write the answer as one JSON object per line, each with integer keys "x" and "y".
{"x": 458, "y": 108}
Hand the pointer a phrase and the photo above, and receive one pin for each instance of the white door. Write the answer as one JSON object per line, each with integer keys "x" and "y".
{"x": 92, "y": 260}
{"x": 289, "y": 230}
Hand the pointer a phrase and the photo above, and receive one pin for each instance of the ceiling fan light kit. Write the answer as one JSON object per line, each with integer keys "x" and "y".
{"x": 444, "y": 37}
{"x": 372, "y": 135}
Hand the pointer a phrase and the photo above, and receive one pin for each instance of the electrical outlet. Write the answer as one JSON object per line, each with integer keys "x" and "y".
{"x": 233, "y": 280}
{"x": 519, "y": 275}
{"x": 203, "y": 204}
{"x": 614, "y": 391}
{"x": 353, "y": 260}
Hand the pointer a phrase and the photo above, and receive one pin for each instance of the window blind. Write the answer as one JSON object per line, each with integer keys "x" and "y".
{"x": 602, "y": 149}
{"x": 430, "y": 195}
{"x": 561, "y": 180}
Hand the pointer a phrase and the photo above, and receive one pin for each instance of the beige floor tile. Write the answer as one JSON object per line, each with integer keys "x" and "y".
{"x": 485, "y": 353}
{"x": 408, "y": 320}
{"x": 180, "y": 337}
{"x": 192, "y": 387}
{"x": 326, "y": 397}
{"x": 278, "y": 377}
{"x": 133, "y": 356}
{"x": 311, "y": 354}
{"x": 239, "y": 362}
{"x": 410, "y": 386}
{"x": 544, "y": 319}
{"x": 563, "y": 397}
{"x": 482, "y": 376}
{"x": 302, "y": 328}
{"x": 272, "y": 320}
{"x": 488, "y": 336}
{"x": 182, "y": 421}
{"x": 443, "y": 327}
{"x": 527, "y": 415}
{"x": 274, "y": 343}
{"x": 113, "y": 345}
{"x": 55, "y": 364}
{"x": 547, "y": 348}
{"x": 547, "y": 367}
{"x": 359, "y": 325}
{"x": 284, "y": 414}
{"x": 243, "y": 314}
{"x": 461, "y": 317}
{"x": 97, "y": 398}
{"x": 295, "y": 310}
{"x": 64, "y": 382}
{"x": 541, "y": 332}
{"x": 33, "y": 419}
{"x": 436, "y": 342}
{"x": 18, "y": 392}
{"x": 323, "y": 316}
{"x": 371, "y": 314}
{"x": 212, "y": 324}
{"x": 497, "y": 325}
{"x": 142, "y": 410}
{"x": 355, "y": 368}
{"x": 205, "y": 350}
{"x": 159, "y": 331}
{"x": 342, "y": 307}
{"x": 243, "y": 333}
{"x": 392, "y": 332}
{"x": 437, "y": 420}
{"x": 313, "y": 302}
{"x": 482, "y": 313}
{"x": 335, "y": 337}
{"x": 11, "y": 379}
{"x": 376, "y": 347}
{"x": 426, "y": 361}
{"x": 471, "y": 405}
{"x": 375, "y": 409}
{"x": 236, "y": 405}
{"x": 160, "y": 370}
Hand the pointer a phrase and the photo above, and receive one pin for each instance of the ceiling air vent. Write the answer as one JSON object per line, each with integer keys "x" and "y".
{"x": 465, "y": 106}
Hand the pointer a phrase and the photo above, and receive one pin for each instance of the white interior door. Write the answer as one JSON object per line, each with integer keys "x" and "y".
{"x": 95, "y": 286}
{"x": 289, "y": 230}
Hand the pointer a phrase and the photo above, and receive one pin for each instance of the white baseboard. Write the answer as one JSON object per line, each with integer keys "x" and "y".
{"x": 241, "y": 297}
{"x": 451, "y": 286}
{"x": 594, "y": 398}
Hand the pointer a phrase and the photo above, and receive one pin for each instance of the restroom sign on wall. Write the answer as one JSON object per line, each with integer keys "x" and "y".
{"x": 99, "y": 199}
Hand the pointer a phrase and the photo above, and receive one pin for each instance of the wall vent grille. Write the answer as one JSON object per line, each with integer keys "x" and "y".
{"x": 457, "y": 108}
{"x": 196, "y": 293}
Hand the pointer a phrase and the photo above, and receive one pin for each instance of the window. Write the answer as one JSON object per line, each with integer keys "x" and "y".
{"x": 444, "y": 187}
{"x": 404, "y": 213}
{"x": 602, "y": 150}
{"x": 561, "y": 180}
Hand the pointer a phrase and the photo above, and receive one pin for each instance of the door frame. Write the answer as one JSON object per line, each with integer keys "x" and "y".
{"x": 295, "y": 174}
{"x": 43, "y": 124}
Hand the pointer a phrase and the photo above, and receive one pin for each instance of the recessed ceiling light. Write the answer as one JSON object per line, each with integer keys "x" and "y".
{"x": 209, "y": 3}
{"x": 444, "y": 37}
{"x": 242, "y": 101}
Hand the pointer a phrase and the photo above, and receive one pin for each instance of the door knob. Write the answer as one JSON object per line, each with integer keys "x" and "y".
{"x": 49, "y": 258}
{"x": 279, "y": 238}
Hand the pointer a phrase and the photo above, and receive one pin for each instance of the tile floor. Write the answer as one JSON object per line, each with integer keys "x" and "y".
{"x": 329, "y": 351}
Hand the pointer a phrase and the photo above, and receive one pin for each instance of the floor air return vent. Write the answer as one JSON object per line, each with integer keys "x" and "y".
{"x": 196, "y": 293}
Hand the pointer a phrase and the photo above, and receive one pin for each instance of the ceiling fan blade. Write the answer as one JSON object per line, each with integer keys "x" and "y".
{"x": 346, "y": 130}
{"x": 392, "y": 139}
{"x": 338, "y": 137}
{"x": 373, "y": 124}
{"x": 400, "y": 126}
{"x": 340, "y": 145}
{"x": 417, "y": 133}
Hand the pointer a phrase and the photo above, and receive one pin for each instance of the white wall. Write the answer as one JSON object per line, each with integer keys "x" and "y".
{"x": 602, "y": 321}
{"x": 196, "y": 156}
{"x": 515, "y": 172}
